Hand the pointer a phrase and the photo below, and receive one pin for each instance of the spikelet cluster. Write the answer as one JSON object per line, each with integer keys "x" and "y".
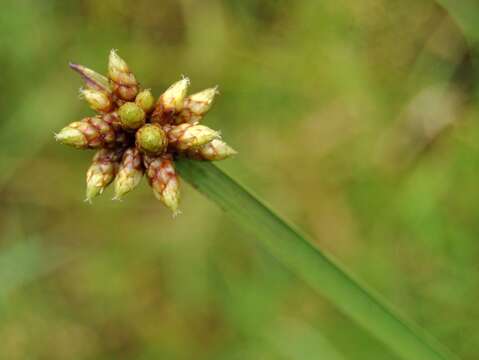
{"x": 136, "y": 135}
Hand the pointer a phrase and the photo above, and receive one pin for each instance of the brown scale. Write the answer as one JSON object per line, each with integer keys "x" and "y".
{"x": 127, "y": 90}
{"x": 132, "y": 159}
{"x": 123, "y": 138}
{"x": 112, "y": 119}
{"x": 106, "y": 157}
{"x": 172, "y": 140}
{"x": 187, "y": 114}
{"x": 163, "y": 116}
{"x": 175, "y": 136}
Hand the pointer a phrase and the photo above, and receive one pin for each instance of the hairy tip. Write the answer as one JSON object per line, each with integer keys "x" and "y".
{"x": 74, "y": 66}
{"x": 186, "y": 78}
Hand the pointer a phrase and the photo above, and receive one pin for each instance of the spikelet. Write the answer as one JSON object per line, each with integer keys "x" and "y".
{"x": 129, "y": 174}
{"x": 196, "y": 106}
{"x": 162, "y": 177}
{"x": 90, "y": 133}
{"x": 98, "y": 100}
{"x": 102, "y": 171}
{"x": 170, "y": 103}
{"x": 123, "y": 82}
{"x": 187, "y": 135}
{"x": 213, "y": 151}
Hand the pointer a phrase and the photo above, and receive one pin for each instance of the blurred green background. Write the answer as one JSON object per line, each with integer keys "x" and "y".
{"x": 356, "y": 120}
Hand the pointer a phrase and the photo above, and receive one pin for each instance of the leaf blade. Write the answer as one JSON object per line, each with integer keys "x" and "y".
{"x": 311, "y": 264}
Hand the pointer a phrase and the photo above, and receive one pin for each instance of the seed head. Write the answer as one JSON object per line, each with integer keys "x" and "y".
{"x": 134, "y": 135}
{"x": 151, "y": 139}
{"x": 129, "y": 174}
{"x": 145, "y": 100}
{"x": 131, "y": 116}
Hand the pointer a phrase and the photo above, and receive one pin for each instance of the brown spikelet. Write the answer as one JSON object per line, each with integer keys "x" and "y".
{"x": 170, "y": 103}
{"x": 162, "y": 178}
{"x": 102, "y": 171}
{"x": 196, "y": 106}
{"x": 123, "y": 81}
{"x": 98, "y": 133}
{"x": 130, "y": 172}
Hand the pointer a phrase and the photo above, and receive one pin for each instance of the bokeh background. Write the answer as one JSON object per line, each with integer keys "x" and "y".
{"x": 355, "y": 120}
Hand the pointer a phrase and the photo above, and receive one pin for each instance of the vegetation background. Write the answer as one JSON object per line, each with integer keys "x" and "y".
{"x": 356, "y": 120}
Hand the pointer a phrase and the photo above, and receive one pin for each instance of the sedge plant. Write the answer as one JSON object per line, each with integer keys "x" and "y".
{"x": 134, "y": 135}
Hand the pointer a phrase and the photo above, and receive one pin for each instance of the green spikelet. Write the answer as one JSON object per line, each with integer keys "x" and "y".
{"x": 151, "y": 139}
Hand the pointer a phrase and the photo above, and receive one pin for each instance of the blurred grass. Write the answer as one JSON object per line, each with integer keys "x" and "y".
{"x": 356, "y": 120}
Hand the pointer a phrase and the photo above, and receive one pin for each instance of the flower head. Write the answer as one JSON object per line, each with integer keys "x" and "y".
{"x": 134, "y": 135}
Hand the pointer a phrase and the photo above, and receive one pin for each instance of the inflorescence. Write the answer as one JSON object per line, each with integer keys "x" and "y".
{"x": 134, "y": 135}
